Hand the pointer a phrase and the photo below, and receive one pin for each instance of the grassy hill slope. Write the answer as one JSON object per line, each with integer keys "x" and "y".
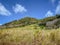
{"x": 29, "y": 21}
{"x": 30, "y": 32}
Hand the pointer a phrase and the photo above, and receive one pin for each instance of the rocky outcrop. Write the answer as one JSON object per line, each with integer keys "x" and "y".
{"x": 53, "y": 24}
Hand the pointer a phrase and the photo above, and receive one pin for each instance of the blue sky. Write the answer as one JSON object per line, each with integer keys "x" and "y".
{"x": 16, "y": 9}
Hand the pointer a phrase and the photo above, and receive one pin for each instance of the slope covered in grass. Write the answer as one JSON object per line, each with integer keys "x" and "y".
{"x": 30, "y": 31}
{"x": 29, "y": 36}
{"x": 48, "y": 22}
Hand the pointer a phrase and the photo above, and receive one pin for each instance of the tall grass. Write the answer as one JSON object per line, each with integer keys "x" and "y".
{"x": 23, "y": 36}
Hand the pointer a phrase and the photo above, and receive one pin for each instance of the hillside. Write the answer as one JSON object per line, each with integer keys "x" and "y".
{"x": 33, "y": 32}
{"x": 54, "y": 22}
{"x": 20, "y": 23}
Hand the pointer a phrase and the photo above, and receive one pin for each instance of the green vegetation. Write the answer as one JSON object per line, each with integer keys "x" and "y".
{"x": 31, "y": 31}
{"x": 44, "y": 23}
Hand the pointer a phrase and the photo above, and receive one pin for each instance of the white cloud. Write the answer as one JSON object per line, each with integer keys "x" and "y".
{"x": 58, "y": 9}
{"x": 49, "y": 14}
{"x": 4, "y": 11}
{"x": 19, "y": 8}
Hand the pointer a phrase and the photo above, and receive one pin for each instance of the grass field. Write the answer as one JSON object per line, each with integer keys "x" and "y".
{"x": 29, "y": 35}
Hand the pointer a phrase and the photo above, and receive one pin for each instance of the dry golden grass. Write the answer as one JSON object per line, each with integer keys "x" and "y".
{"x": 29, "y": 36}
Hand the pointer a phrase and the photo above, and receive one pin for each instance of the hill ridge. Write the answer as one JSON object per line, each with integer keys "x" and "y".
{"x": 28, "y": 21}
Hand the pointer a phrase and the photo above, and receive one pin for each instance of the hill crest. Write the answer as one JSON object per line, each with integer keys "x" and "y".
{"x": 28, "y": 21}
